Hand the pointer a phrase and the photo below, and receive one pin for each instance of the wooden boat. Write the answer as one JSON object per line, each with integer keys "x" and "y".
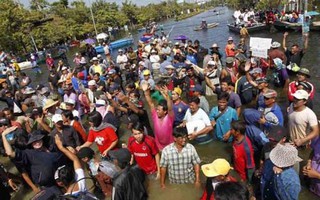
{"x": 257, "y": 27}
{"x": 120, "y": 43}
{"x": 212, "y": 25}
{"x": 287, "y": 26}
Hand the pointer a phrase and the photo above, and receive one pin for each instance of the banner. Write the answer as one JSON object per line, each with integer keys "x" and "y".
{"x": 260, "y": 43}
{"x": 261, "y": 53}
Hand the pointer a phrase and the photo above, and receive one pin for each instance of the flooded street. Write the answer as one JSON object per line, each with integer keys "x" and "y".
{"x": 219, "y": 35}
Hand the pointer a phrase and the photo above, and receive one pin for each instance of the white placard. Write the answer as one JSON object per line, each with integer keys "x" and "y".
{"x": 261, "y": 53}
{"x": 260, "y": 43}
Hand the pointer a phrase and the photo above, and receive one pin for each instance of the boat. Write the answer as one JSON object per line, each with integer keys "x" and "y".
{"x": 287, "y": 26}
{"x": 120, "y": 43}
{"x": 257, "y": 27}
{"x": 212, "y": 25}
{"x": 315, "y": 26}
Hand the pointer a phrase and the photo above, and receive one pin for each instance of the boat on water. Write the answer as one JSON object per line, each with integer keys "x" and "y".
{"x": 212, "y": 25}
{"x": 256, "y": 27}
{"x": 287, "y": 26}
{"x": 121, "y": 43}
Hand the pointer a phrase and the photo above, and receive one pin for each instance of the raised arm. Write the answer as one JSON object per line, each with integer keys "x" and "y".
{"x": 65, "y": 151}
{"x": 249, "y": 79}
{"x": 146, "y": 89}
{"x": 8, "y": 148}
{"x": 284, "y": 42}
{"x": 165, "y": 93}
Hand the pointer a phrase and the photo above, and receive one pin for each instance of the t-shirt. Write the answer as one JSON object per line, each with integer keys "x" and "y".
{"x": 79, "y": 174}
{"x": 234, "y": 100}
{"x": 179, "y": 110}
{"x": 144, "y": 153}
{"x": 300, "y": 123}
{"x": 243, "y": 157}
{"x": 103, "y": 138}
{"x": 244, "y": 89}
{"x": 294, "y": 58}
{"x": 162, "y": 129}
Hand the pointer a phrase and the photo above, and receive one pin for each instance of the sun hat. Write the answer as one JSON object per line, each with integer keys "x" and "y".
{"x": 92, "y": 83}
{"x": 177, "y": 90}
{"x": 284, "y": 155}
{"x": 94, "y": 59}
{"x": 49, "y": 103}
{"x": 301, "y": 94}
{"x": 229, "y": 60}
{"x": 63, "y": 106}
{"x": 218, "y": 167}
{"x": 169, "y": 67}
{"x": 270, "y": 94}
{"x": 214, "y": 45}
{"x": 277, "y": 133}
{"x": 56, "y": 118}
{"x": 35, "y": 136}
{"x": 256, "y": 70}
{"x": 44, "y": 90}
{"x": 29, "y": 90}
{"x": 275, "y": 45}
{"x": 305, "y": 72}
{"x": 123, "y": 155}
{"x": 211, "y": 63}
{"x": 230, "y": 39}
{"x": 146, "y": 72}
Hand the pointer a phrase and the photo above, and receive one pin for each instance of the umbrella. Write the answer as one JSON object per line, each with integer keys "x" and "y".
{"x": 89, "y": 41}
{"x": 312, "y": 13}
{"x": 102, "y": 36}
{"x": 181, "y": 37}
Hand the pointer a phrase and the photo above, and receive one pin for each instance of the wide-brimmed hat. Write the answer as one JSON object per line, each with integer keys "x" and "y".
{"x": 35, "y": 136}
{"x": 44, "y": 90}
{"x": 304, "y": 71}
{"x": 214, "y": 45}
{"x": 83, "y": 60}
{"x": 284, "y": 155}
{"x": 229, "y": 60}
{"x": 29, "y": 90}
{"x": 301, "y": 94}
{"x": 94, "y": 59}
{"x": 275, "y": 45}
{"x": 63, "y": 106}
{"x": 218, "y": 167}
{"x": 49, "y": 103}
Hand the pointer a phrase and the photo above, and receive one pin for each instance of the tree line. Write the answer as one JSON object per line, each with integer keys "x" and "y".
{"x": 54, "y": 23}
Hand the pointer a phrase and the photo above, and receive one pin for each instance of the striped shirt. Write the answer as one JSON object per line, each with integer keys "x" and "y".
{"x": 180, "y": 165}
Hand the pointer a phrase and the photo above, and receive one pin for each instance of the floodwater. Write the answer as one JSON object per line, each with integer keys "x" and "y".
{"x": 219, "y": 35}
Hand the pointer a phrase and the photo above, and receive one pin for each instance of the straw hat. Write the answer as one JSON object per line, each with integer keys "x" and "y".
{"x": 49, "y": 103}
{"x": 284, "y": 155}
{"x": 29, "y": 90}
{"x": 218, "y": 167}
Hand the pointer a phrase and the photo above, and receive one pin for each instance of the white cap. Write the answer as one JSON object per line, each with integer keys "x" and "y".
{"x": 211, "y": 62}
{"x": 64, "y": 68}
{"x": 56, "y": 118}
{"x": 101, "y": 102}
{"x": 98, "y": 56}
{"x": 92, "y": 82}
{"x": 144, "y": 55}
{"x": 70, "y": 101}
{"x": 301, "y": 94}
{"x": 94, "y": 59}
{"x": 141, "y": 63}
{"x": 230, "y": 38}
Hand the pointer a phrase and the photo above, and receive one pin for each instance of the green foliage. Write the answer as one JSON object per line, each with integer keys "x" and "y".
{"x": 57, "y": 22}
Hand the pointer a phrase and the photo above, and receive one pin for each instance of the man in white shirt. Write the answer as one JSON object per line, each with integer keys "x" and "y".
{"x": 121, "y": 59}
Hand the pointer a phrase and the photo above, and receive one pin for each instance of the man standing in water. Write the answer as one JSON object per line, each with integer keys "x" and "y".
{"x": 162, "y": 116}
{"x": 181, "y": 160}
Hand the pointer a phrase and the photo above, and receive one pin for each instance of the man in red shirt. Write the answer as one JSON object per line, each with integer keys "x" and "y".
{"x": 144, "y": 150}
{"x": 242, "y": 151}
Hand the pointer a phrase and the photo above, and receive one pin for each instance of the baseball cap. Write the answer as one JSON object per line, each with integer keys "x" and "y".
{"x": 92, "y": 82}
{"x": 218, "y": 167}
{"x": 197, "y": 88}
{"x": 270, "y": 93}
{"x": 301, "y": 94}
{"x": 256, "y": 70}
{"x": 56, "y": 118}
{"x": 123, "y": 155}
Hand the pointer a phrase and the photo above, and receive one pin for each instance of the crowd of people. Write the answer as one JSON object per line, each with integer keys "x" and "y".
{"x": 160, "y": 94}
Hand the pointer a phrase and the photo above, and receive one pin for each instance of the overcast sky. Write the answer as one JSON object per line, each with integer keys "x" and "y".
{"x": 138, "y": 2}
